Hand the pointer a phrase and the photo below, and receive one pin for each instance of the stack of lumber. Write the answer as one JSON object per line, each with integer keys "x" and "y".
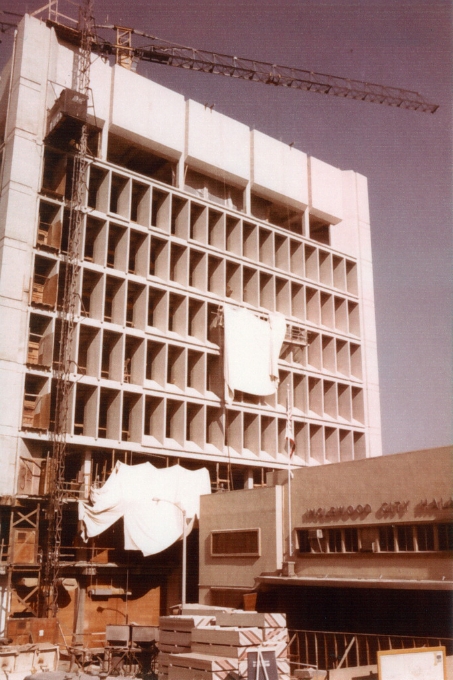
{"x": 175, "y": 637}
{"x": 217, "y": 646}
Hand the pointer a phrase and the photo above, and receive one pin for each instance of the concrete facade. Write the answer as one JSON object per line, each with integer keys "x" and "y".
{"x": 186, "y": 210}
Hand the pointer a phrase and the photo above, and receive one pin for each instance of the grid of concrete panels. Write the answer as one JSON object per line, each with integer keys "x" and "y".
{"x": 156, "y": 265}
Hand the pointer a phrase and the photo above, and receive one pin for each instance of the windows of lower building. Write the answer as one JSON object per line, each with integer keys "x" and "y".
{"x": 383, "y": 539}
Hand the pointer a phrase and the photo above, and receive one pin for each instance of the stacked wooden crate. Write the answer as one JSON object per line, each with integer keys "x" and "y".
{"x": 175, "y": 637}
{"x": 218, "y": 647}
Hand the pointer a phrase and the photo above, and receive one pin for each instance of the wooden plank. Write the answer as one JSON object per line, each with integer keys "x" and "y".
{"x": 174, "y": 649}
{"x": 203, "y": 662}
{"x": 185, "y": 623}
{"x": 175, "y": 637}
{"x": 218, "y": 635}
{"x": 230, "y": 651}
{"x": 245, "y": 619}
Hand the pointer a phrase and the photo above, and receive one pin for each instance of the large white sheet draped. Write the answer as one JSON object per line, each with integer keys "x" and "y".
{"x": 147, "y": 498}
{"x": 252, "y": 348}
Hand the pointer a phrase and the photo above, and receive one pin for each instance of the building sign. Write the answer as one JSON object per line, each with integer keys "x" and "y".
{"x": 360, "y": 511}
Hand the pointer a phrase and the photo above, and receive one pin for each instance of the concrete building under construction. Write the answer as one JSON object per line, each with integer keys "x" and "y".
{"x": 184, "y": 212}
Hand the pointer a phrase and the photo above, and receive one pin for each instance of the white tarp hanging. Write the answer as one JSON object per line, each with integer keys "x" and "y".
{"x": 252, "y": 348}
{"x": 147, "y": 498}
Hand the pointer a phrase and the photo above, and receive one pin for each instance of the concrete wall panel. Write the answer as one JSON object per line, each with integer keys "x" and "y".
{"x": 146, "y": 111}
{"x": 326, "y": 191}
{"x": 217, "y": 144}
{"x": 279, "y": 171}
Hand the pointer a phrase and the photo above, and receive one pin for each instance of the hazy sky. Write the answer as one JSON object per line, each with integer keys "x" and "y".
{"x": 405, "y": 155}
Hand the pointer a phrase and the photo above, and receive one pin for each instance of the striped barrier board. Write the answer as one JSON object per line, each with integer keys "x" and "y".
{"x": 274, "y": 635}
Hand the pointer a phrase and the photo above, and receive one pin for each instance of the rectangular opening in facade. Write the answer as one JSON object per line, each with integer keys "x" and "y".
{"x": 319, "y": 230}
{"x": 40, "y": 341}
{"x": 216, "y": 229}
{"x": 88, "y": 360}
{"x": 216, "y": 283}
{"x": 158, "y": 258}
{"x": 36, "y": 405}
{"x": 114, "y": 300}
{"x": 176, "y": 369}
{"x": 131, "y": 427}
{"x": 250, "y": 286}
{"x": 317, "y": 443}
{"x": 195, "y": 428}
{"x": 135, "y": 305}
{"x": 112, "y": 359}
{"x": 311, "y": 263}
{"x": 177, "y": 314}
{"x": 281, "y": 252}
{"x": 282, "y": 292}
{"x": 233, "y": 281}
{"x": 331, "y": 445}
{"x": 250, "y": 241}
{"x": 157, "y": 308}
{"x": 315, "y": 396}
{"x": 325, "y": 268}
{"x": 354, "y": 319}
{"x": 314, "y": 350}
{"x": 214, "y": 374}
{"x": 197, "y": 319}
{"x": 160, "y": 215}
{"x": 116, "y": 247}
{"x": 214, "y": 427}
{"x": 312, "y": 305}
{"x": 266, "y": 250}
{"x": 358, "y": 407}
{"x": 346, "y": 445}
{"x": 197, "y": 269}
{"x": 355, "y": 360}
{"x": 327, "y": 310}
{"x": 154, "y": 418}
{"x": 178, "y": 264}
{"x": 94, "y": 244}
{"x": 140, "y": 160}
{"x": 85, "y": 411}
{"x": 268, "y": 435}
{"x": 328, "y": 353}
{"x": 174, "y": 421}
{"x": 155, "y": 362}
{"x": 339, "y": 272}
{"x": 49, "y": 226}
{"x": 267, "y": 295}
{"x": 45, "y": 282}
{"x": 341, "y": 314}
{"x": 251, "y": 432}
{"x": 140, "y": 202}
{"x": 179, "y": 217}
{"x": 137, "y": 253}
{"x": 109, "y": 420}
{"x": 351, "y": 278}
{"x": 98, "y": 189}
{"x": 342, "y": 355}
{"x": 196, "y": 370}
{"x": 91, "y": 297}
{"x": 133, "y": 360}
{"x": 296, "y": 254}
{"x": 233, "y": 236}
{"x": 198, "y": 214}
{"x": 54, "y": 173}
{"x": 344, "y": 402}
{"x": 297, "y": 301}
{"x": 233, "y": 433}
{"x": 119, "y": 195}
{"x": 330, "y": 399}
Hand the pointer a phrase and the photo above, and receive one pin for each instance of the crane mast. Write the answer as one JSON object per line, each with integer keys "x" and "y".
{"x": 67, "y": 312}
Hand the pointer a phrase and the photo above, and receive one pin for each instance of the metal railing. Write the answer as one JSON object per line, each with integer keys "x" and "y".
{"x": 324, "y": 649}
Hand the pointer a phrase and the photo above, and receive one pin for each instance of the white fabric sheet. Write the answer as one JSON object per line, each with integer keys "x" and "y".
{"x": 131, "y": 491}
{"x": 252, "y": 348}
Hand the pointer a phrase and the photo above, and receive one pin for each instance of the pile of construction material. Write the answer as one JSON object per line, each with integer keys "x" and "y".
{"x": 208, "y": 643}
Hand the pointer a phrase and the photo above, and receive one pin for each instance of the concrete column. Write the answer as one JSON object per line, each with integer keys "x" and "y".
{"x": 248, "y": 478}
